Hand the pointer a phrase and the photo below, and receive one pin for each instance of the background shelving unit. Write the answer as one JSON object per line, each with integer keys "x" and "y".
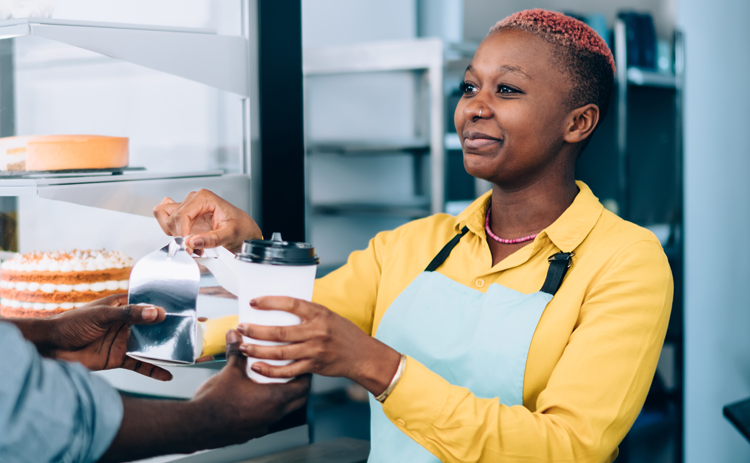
{"x": 425, "y": 59}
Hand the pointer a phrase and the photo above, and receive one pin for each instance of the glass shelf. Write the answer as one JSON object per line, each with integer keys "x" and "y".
{"x": 220, "y": 61}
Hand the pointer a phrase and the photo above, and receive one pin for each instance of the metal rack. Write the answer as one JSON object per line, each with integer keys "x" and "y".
{"x": 420, "y": 55}
{"x": 669, "y": 88}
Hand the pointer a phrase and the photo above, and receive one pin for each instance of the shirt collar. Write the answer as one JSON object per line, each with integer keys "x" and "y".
{"x": 567, "y": 232}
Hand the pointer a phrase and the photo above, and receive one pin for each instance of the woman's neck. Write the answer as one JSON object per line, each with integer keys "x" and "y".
{"x": 525, "y": 211}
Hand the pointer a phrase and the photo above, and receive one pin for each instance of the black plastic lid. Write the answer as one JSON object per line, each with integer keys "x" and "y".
{"x": 278, "y": 252}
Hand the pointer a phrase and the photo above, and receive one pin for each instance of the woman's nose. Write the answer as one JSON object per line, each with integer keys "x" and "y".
{"x": 477, "y": 110}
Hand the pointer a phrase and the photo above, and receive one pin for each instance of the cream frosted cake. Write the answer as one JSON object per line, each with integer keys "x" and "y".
{"x": 43, "y": 284}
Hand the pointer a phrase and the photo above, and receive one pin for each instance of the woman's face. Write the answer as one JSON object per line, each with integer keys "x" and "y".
{"x": 512, "y": 117}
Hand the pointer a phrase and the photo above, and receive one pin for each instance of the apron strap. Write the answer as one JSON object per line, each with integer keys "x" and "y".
{"x": 558, "y": 266}
{"x": 445, "y": 252}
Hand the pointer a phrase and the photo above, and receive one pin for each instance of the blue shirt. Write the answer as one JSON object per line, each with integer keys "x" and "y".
{"x": 51, "y": 410}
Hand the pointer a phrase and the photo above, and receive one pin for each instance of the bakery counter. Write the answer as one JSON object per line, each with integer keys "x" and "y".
{"x": 343, "y": 450}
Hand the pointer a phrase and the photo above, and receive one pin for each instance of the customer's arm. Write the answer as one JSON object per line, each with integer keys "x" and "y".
{"x": 57, "y": 411}
{"x": 228, "y": 409}
{"x": 51, "y": 410}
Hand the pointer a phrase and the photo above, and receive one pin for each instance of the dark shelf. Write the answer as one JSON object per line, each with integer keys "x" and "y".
{"x": 369, "y": 147}
{"x": 415, "y": 209}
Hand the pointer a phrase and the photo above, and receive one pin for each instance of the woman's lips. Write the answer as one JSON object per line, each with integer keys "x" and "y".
{"x": 478, "y": 140}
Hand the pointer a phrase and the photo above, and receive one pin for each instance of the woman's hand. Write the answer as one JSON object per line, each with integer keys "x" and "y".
{"x": 324, "y": 343}
{"x": 211, "y": 220}
{"x": 96, "y": 335}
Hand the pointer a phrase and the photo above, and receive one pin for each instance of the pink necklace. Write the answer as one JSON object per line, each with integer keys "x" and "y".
{"x": 503, "y": 240}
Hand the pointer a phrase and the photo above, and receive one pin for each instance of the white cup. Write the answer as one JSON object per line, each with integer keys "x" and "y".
{"x": 273, "y": 268}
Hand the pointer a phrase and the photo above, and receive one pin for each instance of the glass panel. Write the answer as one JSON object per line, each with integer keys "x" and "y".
{"x": 174, "y": 124}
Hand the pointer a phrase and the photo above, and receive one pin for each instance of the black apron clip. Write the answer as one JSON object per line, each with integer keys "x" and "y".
{"x": 558, "y": 266}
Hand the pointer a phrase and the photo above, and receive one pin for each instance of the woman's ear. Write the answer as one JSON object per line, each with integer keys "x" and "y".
{"x": 582, "y": 123}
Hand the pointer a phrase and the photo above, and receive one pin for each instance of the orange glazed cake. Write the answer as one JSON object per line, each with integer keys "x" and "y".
{"x": 43, "y": 284}
{"x": 64, "y": 152}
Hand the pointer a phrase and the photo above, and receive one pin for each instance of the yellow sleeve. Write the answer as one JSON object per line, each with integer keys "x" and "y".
{"x": 215, "y": 332}
{"x": 352, "y": 290}
{"x": 593, "y": 396}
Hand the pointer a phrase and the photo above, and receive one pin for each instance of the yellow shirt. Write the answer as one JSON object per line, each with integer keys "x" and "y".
{"x": 592, "y": 357}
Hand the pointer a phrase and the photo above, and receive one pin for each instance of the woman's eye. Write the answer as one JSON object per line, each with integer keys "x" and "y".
{"x": 467, "y": 88}
{"x": 506, "y": 89}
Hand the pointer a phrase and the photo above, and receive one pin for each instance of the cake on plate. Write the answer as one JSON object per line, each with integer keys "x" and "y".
{"x": 68, "y": 152}
{"x": 63, "y": 152}
{"x": 44, "y": 284}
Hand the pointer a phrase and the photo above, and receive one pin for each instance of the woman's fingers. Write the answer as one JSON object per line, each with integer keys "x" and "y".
{"x": 297, "y": 368}
{"x": 163, "y": 212}
{"x": 294, "y": 333}
{"x": 303, "y": 309}
{"x": 296, "y": 351}
{"x": 213, "y": 239}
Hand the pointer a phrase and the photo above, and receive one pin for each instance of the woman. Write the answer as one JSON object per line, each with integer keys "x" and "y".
{"x": 467, "y": 328}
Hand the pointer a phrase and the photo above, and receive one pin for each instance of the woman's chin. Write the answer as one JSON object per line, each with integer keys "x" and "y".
{"x": 480, "y": 167}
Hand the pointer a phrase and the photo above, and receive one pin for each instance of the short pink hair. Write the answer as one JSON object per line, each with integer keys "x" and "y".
{"x": 558, "y": 29}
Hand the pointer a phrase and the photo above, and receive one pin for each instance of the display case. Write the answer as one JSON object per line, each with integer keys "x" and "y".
{"x": 188, "y": 98}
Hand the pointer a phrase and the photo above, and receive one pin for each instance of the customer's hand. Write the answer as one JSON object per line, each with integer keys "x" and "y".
{"x": 228, "y": 409}
{"x": 324, "y": 343}
{"x": 211, "y": 220}
{"x": 247, "y": 407}
{"x": 96, "y": 335}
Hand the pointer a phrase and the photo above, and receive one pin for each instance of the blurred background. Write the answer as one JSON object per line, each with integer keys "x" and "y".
{"x": 379, "y": 84}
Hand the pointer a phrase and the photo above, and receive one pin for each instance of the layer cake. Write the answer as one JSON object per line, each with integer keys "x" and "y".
{"x": 44, "y": 284}
{"x": 63, "y": 152}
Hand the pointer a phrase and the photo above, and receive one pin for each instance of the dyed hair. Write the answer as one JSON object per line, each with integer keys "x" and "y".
{"x": 581, "y": 53}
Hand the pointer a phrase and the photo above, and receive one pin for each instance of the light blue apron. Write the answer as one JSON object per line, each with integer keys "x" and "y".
{"x": 472, "y": 339}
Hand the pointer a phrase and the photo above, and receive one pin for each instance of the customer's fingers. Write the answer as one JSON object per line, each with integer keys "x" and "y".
{"x": 146, "y": 369}
{"x": 133, "y": 314}
{"x": 235, "y": 359}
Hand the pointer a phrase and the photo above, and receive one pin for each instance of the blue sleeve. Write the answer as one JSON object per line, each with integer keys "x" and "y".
{"x": 52, "y": 410}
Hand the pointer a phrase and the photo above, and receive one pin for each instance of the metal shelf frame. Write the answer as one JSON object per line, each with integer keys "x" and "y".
{"x": 627, "y": 76}
{"x": 626, "y": 79}
{"x": 425, "y": 55}
{"x": 226, "y": 62}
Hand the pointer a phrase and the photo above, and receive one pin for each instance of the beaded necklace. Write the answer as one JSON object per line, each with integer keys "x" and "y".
{"x": 503, "y": 240}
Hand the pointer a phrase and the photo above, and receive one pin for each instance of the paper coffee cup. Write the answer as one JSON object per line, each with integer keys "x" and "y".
{"x": 273, "y": 268}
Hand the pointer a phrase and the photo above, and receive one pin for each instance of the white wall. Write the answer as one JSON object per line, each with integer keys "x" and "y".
{"x": 717, "y": 217}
